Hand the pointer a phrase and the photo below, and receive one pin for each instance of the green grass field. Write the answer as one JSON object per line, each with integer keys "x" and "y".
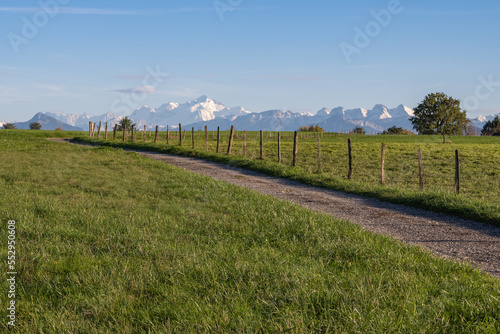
{"x": 109, "y": 241}
{"x": 479, "y": 164}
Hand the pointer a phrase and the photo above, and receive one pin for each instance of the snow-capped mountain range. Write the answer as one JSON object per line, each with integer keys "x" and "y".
{"x": 205, "y": 111}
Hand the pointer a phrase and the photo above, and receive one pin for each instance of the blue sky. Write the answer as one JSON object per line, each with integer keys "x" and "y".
{"x": 93, "y": 57}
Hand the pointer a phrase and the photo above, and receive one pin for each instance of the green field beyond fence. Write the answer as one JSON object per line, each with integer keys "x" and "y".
{"x": 327, "y": 161}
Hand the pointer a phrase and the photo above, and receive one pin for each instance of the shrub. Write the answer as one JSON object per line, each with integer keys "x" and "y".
{"x": 491, "y": 128}
{"x": 358, "y": 131}
{"x": 9, "y": 126}
{"x": 311, "y": 128}
{"x": 35, "y": 126}
{"x": 394, "y": 130}
{"x": 125, "y": 123}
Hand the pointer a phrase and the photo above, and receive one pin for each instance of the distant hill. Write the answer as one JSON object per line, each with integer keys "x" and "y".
{"x": 48, "y": 123}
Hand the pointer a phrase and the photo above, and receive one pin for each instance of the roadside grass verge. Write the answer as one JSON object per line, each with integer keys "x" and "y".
{"x": 109, "y": 241}
{"x": 479, "y": 200}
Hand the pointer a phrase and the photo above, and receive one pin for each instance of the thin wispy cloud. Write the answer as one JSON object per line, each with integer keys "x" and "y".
{"x": 368, "y": 66}
{"x": 138, "y": 77}
{"x": 139, "y": 89}
{"x": 105, "y": 11}
{"x": 129, "y": 77}
{"x": 182, "y": 92}
{"x": 52, "y": 88}
{"x": 447, "y": 12}
{"x": 286, "y": 77}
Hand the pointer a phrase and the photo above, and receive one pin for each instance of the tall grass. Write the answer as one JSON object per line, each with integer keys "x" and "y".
{"x": 480, "y": 166}
{"x": 109, "y": 241}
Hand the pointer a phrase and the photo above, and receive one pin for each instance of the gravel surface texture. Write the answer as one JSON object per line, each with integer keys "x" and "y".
{"x": 446, "y": 236}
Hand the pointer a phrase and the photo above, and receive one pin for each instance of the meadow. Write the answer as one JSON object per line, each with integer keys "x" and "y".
{"x": 109, "y": 241}
{"x": 479, "y": 197}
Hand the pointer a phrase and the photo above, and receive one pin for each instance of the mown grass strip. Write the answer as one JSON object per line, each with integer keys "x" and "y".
{"x": 484, "y": 209}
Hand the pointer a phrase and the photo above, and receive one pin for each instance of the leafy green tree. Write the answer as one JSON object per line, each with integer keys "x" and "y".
{"x": 125, "y": 123}
{"x": 439, "y": 114}
{"x": 394, "y": 130}
{"x": 9, "y": 126}
{"x": 35, "y": 126}
{"x": 491, "y": 128}
{"x": 359, "y": 131}
{"x": 311, "y": 128}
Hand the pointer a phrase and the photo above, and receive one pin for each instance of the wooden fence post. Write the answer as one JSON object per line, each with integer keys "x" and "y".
{"x": 144, "y": 134}
{"x": 99, "y": 130}
{"x": 106, "y": 131}
{"x": 156, "y": 134}
{"x": 382, "y": 164}
{"x": 206, "y": 137}
{"x": 349, "y": 144}
{"x": 114, "y": 131}
{"x": 124, "y": 132}
{"x": 133, "y": 134}
{"x": 231, "y": 137}
{"x": 180, "y": 134}
{"x": 218, "y": 140}
{"x": 192, "y": 137}
{"x": 168, "y": 134}
{"x": 261, "y": 144}
{"x": 245, "y": 143}
{"x": 457, "y": 172}
{"x": 279, "y": 148}
{"x": 91, "y": 127}
{"x": 420, "y": 170}
{"x": 295, "y": 147}
{"x": 319, "y": 153}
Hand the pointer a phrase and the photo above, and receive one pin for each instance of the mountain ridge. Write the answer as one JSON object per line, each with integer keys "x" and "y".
{"x": 205, "y": 111}
{"x": 47, "y": 122}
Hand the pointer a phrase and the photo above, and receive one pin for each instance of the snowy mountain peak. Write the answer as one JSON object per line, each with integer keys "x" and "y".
{"x": 358, "y": 113}
{"x": 401, "y": 111}
{"x": 324, "y": 112}
{"x": 379, "y": 107}
{"x": 202, "y": 99}
{"x": 338, "y": 112}
{"x": 379, "y": 112}
{"x": 167, "y": 107}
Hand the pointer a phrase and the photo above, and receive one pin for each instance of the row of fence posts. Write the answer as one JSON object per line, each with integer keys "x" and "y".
{"x": 92, "y": 133}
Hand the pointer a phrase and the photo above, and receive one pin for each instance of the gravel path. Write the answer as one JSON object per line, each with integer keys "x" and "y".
{"x": 450, "y": 237}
